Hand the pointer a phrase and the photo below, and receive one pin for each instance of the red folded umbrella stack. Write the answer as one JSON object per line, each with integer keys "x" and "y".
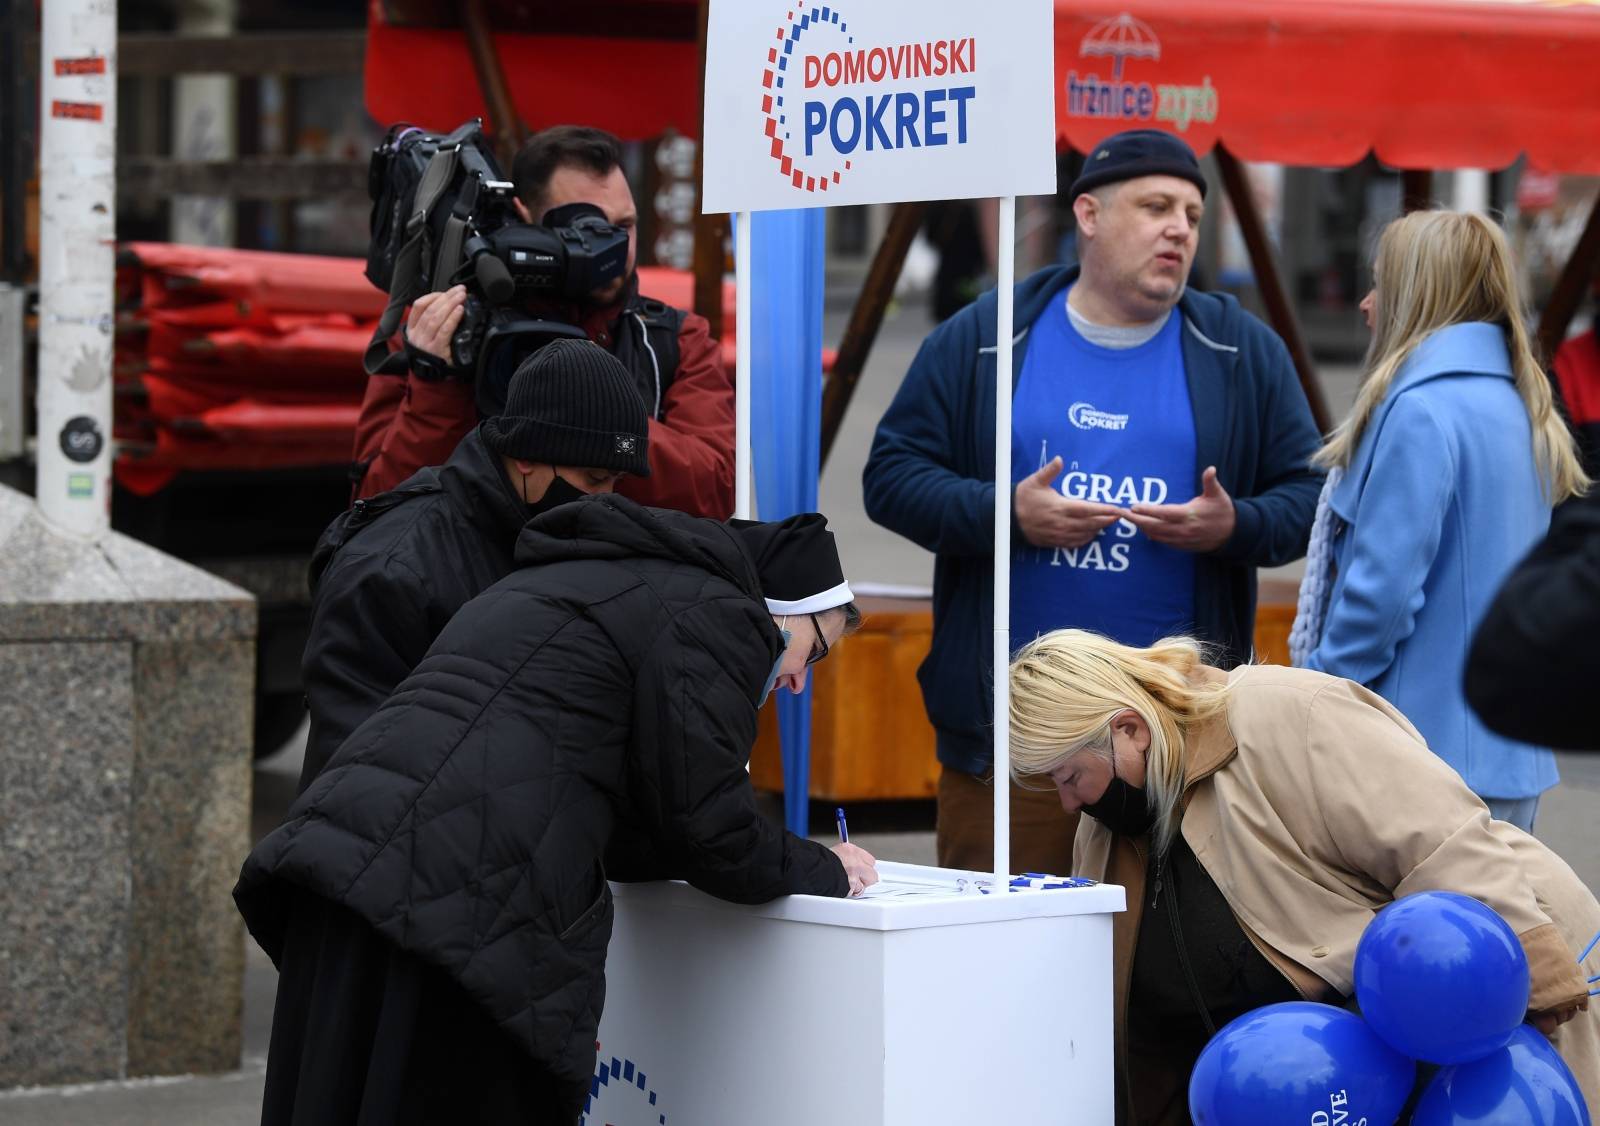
{"x": 236, "y": 359}
{"x": 245, "y": 359}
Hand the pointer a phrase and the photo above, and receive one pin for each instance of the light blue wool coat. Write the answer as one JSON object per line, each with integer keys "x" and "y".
{"x": 1441, "y": 499}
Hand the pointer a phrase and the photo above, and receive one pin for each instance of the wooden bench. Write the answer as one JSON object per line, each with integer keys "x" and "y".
{"x": 870, "y": 737}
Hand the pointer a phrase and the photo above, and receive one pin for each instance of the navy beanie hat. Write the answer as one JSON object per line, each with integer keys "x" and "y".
{"x": 1135, "y": 153}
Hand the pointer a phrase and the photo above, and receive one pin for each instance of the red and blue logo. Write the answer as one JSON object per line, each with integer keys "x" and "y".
{"x": 618, "y": 1094}
{"x": 813, "y": 97}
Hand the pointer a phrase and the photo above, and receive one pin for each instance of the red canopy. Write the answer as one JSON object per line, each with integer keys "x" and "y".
{"x": 1424, "y": 83}
{"x": 637, "y": 88}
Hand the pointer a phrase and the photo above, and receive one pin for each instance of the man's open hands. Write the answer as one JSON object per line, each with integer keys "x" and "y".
{"x": 1204, "y": 524}
{"x": 1049, "y": 519}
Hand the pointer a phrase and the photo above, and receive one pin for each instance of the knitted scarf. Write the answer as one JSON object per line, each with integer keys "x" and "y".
{"x": 1311, "y": 608}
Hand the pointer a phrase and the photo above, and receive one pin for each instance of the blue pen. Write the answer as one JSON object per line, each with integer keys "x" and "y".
{"x": 844, "y": 833}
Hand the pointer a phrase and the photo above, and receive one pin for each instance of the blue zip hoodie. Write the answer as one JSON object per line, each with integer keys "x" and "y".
{"x": 1441, "y": 500}
{"x": 930, "y": 477}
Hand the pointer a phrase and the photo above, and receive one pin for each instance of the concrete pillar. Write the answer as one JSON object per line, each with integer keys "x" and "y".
{"x": 13, "y": 401}
{"x": 204, "y": 127}
{"x": 126, "y": 687}
{"x": 1471, "y": 190}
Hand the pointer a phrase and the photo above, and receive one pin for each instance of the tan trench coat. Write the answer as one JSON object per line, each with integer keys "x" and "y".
{"x": 1312, "y": 804}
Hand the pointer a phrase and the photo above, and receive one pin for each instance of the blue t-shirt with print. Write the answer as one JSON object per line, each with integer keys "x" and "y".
{"x": 1123, "y": 425}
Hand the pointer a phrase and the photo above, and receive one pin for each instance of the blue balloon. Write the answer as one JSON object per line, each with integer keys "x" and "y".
{"x": 1525, "y": 1083}
{"x": 1298, "y": 1062}
{"x": 1441, "y": 977}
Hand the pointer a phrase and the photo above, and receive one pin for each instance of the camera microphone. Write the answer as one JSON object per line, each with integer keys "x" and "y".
{"x": 494, "y": 279}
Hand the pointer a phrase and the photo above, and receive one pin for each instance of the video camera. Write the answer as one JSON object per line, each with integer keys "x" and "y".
{"x": 443, "y": 215}
{"x": 574, "y": 252}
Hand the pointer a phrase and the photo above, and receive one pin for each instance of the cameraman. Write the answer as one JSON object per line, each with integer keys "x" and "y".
{"x": 409, "y": 423}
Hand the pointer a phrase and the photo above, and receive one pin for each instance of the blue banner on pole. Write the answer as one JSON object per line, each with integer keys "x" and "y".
{"x": 786, "y": 248}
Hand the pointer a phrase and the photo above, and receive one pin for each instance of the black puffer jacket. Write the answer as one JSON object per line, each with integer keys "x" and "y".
{"x": 386, "y": 577}
{"x": 1534, "y": 667}
{"x": 607, "y": 688}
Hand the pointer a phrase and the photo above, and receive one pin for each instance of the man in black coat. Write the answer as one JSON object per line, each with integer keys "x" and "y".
{"x": 1534, "y": 668}
{"x": 437, "y": 900}
{"x": 389, "y": 574}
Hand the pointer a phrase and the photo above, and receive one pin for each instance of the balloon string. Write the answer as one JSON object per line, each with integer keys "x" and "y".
{"x": 1592, "y": 942}
{"x": 1594, "y": 979}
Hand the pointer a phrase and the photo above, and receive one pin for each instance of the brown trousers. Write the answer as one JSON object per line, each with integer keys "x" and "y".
{"x": 1041, "y": 831}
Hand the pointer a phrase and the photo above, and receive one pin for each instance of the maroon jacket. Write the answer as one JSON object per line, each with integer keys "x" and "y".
{"x": 1577, "y": 371}
{"x": 408, "y": 423}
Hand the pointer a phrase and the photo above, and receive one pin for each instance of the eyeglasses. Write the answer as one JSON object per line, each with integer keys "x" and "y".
{"x": 813, "y": 657}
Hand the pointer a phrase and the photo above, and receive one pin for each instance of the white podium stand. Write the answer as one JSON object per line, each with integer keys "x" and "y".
{"x": 882, "y": 1011}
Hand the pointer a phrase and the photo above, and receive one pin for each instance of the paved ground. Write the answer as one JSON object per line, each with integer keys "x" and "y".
{"x": 892, "y": 830}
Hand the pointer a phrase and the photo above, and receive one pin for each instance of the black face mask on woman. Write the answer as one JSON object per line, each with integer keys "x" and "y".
{"x": 561, "y": 491}
{"x": 1124, "y": 809}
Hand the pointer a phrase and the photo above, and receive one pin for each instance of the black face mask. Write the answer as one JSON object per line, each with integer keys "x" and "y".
{"x": 1123, "y": 809}
{"x": 561, "y": 491}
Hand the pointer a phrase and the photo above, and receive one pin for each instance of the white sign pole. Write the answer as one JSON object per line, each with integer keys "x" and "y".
{"x": 1002, "y": 543}
{"x": 77, "y": 262}
{"x": 741, "y": 384}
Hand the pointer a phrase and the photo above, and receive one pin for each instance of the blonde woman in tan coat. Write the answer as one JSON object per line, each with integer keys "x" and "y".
{"x": 1259, "y": 820}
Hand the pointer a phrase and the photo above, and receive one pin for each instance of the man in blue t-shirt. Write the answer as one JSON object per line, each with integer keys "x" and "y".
{"x": 1160, "y": 445}
{"x": 1102, "y": 417}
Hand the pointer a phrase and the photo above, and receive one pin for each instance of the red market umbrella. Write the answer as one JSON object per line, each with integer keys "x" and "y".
{"x": 628, "y": 66}
{"x": 1424, "y": 84}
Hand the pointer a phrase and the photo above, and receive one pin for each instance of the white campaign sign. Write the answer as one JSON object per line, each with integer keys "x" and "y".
{"x": 874, "y": 101}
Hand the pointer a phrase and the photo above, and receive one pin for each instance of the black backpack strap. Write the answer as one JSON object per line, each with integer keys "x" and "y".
{"x": 660, "y": 324}
{"x": 454, "y": 235}
{"x": 449, "y": 256}
{"x": 378, "y": 360}
{"x": 347, "y": 524}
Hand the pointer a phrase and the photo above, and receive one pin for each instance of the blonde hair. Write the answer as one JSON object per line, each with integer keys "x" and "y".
{"x": 1068, "y": 685}
{"x": 1439, "y": 268}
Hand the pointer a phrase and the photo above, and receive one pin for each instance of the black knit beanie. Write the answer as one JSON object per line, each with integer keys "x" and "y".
{"x": 573, "y": 403}
{"x": 797, "y": 561}
{"x": 1134, "y": 153}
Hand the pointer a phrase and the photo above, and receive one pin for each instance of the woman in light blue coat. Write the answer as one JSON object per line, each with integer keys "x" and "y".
{"x": 1442, "y": 478}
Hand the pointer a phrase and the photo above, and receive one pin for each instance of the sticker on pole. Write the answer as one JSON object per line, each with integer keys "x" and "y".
{"x": 80, "y": 439}
{"x": 875, "y": 101}
{"x": 77, "y": 111}
{"x": 93, "y": 64}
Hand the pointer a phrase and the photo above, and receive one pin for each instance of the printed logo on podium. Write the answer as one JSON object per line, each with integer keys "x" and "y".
{"x": 620, "y": 1096}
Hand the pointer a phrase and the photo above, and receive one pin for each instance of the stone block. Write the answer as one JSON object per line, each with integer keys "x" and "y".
{"x": 67, "y": 711}
{"x": 189, "y": 832}
{"x": 126, "y": 687}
